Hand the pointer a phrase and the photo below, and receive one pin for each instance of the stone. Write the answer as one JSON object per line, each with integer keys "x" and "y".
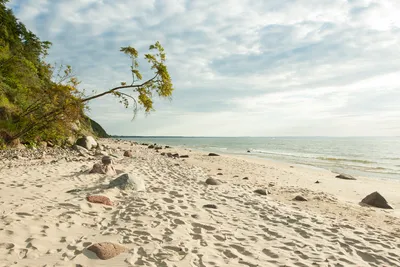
{"x": 151, "y": 146}
{"x": 97, "y": 168}
{"x": 184, "y": 156}
{"x": 212, "y": 181}
{"x": 299, "y": 198}
{"x": 74, "y": 191}
{"x": 210, "y": 206}
{"x": 220, "y": 173}
{"x": 106, "y": 160}
{"x": 245, "y": 178}
{"x": 248, "y": 151}
{"x": 107, "y": 250}
{"x": 271, "y": 184}
{"x": 158, "y": 147}
{"x": 167, "y": 147}
{"x": 175, "y": 155}
{"x": 169, "y": 155}
{"x": 213, "y": 155}
{"x": 261, "y": 192}
{"x": 128, "y": 154}
{"x": 376, "y": 200}
{"x": 109, "y": 170}
{"x": 99, "y": 199}
{"x": 128, "y": 181}
{"x": 87, "y": 142}
{"x": 317, "y": 182}
{"x": 345, "y": 177}
{"x": 81, "y": 150}
{"x": 162, "y": 154}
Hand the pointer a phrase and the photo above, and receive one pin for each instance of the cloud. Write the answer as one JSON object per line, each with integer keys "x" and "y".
{"x": 247, "y": 67}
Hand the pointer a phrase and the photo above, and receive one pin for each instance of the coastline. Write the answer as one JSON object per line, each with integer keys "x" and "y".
{"x": 43, "y": 224}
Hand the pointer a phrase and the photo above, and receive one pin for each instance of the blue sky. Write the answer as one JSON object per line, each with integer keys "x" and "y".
{"x": 240, "y": 67}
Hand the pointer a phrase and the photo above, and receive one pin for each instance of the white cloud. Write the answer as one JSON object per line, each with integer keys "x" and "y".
{"x": 240, "y": 67}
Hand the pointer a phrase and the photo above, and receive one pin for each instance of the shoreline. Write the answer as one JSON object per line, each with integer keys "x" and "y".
{"x": 351, "y": 171}
{"x": 167, "y": 224}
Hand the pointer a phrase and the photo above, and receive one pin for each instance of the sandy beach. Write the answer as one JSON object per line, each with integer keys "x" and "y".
{"x": 44, "y": 223}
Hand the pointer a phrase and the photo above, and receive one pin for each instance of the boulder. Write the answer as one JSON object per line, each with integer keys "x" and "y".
{"x": 261, "y": 192}
{"x": 376, "y": 200}
{"x": 345, "y": 177}
{"x": 158, "y": 147}
{"x": 151, "y": 146}
{"x": 212, "y": 181}
{"x": 107, "y": 250}
{"x": 175, "y": 155}
{"x": 87, "y": 142}
{"x": 99, "y": 199}
{"x": 128, "y": 154}
{"x": 128, "y": 181}
{"x": 213, "y": 155}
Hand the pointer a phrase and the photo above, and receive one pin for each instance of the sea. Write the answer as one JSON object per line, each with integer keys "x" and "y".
{"x": 377, "y": 157}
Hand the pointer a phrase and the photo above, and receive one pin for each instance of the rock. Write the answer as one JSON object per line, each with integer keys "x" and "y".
{"x": 74, "y": 191}
{"x": 109, "y": 170}
{"x": 106, "y": 160}
{"x": 97, "y": 168}
{"x": 87, "y": 142}
{"x": 220, "y": 173}
{"x": 210, "y": 206}
{"x": 167, "y": 147}
{"x": 99, "y": 199}
{"x": 213, "y": 155}
{"x": 107, "y": 250}
{"x": 376, "y": 200}
{"x": 245, "y": 178}
{"x": 219, "y": 169}
{"x": 158, "y": 147}
{"x": 345, "y": 177}
{"x": 127, "y": 181}
{"x": 150, "y": 146}
{"x": 162, "y": 154}
{"x": 261, "y": 192}
{"x": 169, "y": 155}
{"x": 317, "y": 182}
{"x": 175, "y": 155}
{"x": 248, "y": 151}
{"x": 271, "y": 184}
{"x": 299, "y": 198}
{"x": 100, "y": 152}
{"x": 291, "y": 167}
{"x": 128, "y": 154}
{"x": 81, "y": 150}
{"x": 184, "y": 156}
{"x": 212, "y": 181}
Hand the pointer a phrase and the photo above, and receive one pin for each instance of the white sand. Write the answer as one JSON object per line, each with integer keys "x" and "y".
{"x": 42, "y": 225}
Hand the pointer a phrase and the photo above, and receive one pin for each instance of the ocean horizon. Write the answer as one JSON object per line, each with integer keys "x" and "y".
{"x": 369, "y": 156}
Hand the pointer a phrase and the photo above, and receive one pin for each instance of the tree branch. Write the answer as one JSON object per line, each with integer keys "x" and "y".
{"x": 118, "y": 88}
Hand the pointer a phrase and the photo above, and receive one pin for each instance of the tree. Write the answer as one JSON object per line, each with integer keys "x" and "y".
{"x": 160, "y": 83}
{"x": 38, "y": 101}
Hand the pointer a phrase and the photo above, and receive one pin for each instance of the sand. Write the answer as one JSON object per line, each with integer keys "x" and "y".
{"x": 43, "y": 225}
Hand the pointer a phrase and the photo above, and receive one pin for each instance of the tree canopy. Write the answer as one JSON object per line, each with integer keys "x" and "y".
{"x": 39, "y": 101}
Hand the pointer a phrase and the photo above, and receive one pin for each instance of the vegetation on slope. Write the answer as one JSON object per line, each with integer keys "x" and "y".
{"x": 39, "y": 102}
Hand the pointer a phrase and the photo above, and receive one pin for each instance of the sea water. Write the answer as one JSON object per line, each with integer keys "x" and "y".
{"x": 365, "y": 156}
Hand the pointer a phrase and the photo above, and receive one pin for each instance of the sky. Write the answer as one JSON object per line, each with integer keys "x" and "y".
{"x": 239, "y": 67}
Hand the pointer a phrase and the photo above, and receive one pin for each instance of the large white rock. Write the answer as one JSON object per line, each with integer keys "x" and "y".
{"x": 87, "y": 142}
{"x": 128, "y": 181}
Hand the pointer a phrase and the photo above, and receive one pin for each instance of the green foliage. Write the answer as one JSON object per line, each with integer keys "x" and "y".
{"x": 40, "y": 102}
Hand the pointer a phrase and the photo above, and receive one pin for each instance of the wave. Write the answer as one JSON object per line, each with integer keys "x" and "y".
{"x": 347, "y": 160}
